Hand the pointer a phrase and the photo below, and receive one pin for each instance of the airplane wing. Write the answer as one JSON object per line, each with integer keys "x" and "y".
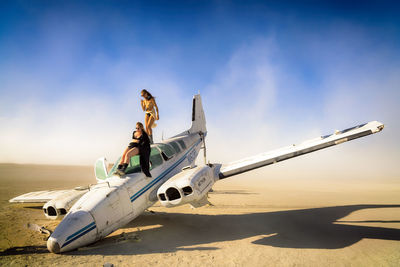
{"x": 57, "y": 202}
{"x": 309, "y": 146}
{"x": 192, "y": 184}
{"x": 44, "y": 196}
{"x": 100, "y": 170}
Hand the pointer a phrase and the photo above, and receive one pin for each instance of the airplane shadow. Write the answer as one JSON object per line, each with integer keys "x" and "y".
{"x": 24, "y": 250}
{"x": 306, "y": 229}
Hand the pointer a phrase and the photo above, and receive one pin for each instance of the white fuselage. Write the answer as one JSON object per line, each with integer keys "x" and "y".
{"x": 112, "y": 204}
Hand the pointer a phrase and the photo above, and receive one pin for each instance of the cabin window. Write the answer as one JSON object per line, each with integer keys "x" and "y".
{"x": 182, "y": 144}
{"x": 175, "y": 146}
{"x": 167, "y": 150}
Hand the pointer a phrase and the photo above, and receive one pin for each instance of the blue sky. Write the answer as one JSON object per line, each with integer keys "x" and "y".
{"x": 279, "y": 71}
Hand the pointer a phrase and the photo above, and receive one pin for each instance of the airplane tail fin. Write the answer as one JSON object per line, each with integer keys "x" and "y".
{"x": 198, "y": 117}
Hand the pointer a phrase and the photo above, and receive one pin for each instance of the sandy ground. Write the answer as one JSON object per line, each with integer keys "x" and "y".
{"x": 252, "y": 222}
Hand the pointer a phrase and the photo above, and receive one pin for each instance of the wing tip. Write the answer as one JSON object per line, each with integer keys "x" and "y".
{"x": 376, "y": 126}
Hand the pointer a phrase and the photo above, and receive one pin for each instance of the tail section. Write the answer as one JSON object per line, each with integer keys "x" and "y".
{"x": 198, "y": 117}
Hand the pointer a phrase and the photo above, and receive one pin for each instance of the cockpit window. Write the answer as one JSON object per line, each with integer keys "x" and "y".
{"x": 134, "y": 164}
{"x": 155, "y": 158}
{"x": 114, "y": 168}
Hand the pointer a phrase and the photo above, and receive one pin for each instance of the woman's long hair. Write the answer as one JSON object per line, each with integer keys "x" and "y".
{"x": 149, "y": 96}
{"x": 141, "y": 127}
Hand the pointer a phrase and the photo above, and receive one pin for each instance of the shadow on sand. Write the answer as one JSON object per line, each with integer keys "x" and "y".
{"x": 24, "y": 250}
{"x": 307, "y": 228}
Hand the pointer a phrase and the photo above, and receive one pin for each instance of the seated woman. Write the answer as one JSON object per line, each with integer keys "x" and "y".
{"x": 140, "y": 145}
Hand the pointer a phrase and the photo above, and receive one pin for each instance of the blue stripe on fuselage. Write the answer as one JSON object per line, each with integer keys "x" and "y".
{"x": 148, "y": 186}
{"x": 79, "y": 233}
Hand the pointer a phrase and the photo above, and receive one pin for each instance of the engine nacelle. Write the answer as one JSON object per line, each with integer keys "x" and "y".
{"x": 189, "y": 186}
{"x": 59, "y": 206}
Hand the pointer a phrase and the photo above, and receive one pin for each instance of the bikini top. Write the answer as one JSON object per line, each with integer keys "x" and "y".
{"x": 148, "y": 104}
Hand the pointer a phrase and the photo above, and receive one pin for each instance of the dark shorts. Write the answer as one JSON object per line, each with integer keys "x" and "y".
{"x": 132, "y": 145}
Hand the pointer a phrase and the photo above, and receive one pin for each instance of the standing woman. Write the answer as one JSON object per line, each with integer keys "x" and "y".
{"x": 149, "y": 106}
{"x": 139, "y": 145}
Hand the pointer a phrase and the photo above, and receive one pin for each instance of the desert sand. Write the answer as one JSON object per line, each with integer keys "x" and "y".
{"x": 253, "y": 220}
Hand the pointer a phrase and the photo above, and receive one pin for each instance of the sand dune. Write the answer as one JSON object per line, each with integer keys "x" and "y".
{"x": 252, "y": 222}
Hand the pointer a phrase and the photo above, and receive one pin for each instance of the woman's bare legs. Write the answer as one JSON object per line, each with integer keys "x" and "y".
{"x": 148, "y": 122}
{"x": 123, "y": 156}
{"x": 123, "y": 164}
{"x": 132, "y": 152}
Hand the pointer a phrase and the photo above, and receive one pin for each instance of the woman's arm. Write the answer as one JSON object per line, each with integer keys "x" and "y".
{"x": 142, "y": 104}
{"x": 155, "y": 105}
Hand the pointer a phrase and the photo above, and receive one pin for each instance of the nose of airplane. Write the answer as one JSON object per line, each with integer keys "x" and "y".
{"x": 77, "y": 229}
{"x": 52, "y": 245}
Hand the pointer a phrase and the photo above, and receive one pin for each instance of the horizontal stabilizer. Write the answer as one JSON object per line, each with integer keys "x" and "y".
{"x": 285, "y": 153}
